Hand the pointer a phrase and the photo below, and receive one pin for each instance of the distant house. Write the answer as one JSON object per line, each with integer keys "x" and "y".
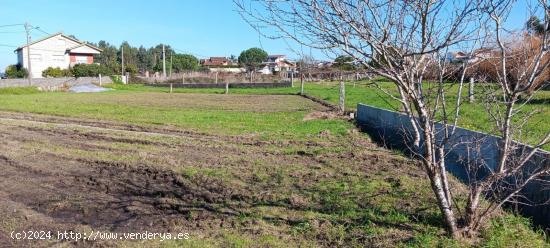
{"x": 276, "y": 63}
{"x": 476, "y": 55}
{"x": 215, "y": 62}
{"x": 56, "y": 50}
{"x": 482, "y": 53}
{"x": 457, "y": 57}
{"x": 325, "y": 64}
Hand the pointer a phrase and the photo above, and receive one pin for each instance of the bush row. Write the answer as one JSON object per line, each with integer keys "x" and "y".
{"x": 16, "y": 71}
{"x": 79, "y": 70}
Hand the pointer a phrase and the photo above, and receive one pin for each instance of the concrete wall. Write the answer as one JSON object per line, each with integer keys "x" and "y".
{"x": 394, "y": 129}
{"x": 52, "y": 83}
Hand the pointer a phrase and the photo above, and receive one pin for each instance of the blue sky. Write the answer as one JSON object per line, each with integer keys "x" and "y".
{"x": 199, "y": 27}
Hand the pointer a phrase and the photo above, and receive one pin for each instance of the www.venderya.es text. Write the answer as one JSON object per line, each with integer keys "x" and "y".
{"x": 96, "y": 235}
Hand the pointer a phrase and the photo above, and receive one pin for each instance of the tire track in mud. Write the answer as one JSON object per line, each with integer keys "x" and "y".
{"x": 118, "y": 196}
{"x": 168, "y": 131}
{"x": 130, "y": 196}
{"x": 111, "y": 195}
{"x": 117, "y": 126}
{"x": 209, "y": 145}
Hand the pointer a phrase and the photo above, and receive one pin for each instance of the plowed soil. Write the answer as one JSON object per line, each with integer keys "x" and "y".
{"x": 74, "y": 174}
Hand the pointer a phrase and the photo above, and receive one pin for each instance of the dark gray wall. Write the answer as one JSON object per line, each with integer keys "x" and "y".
{"x": 393, "y": 130}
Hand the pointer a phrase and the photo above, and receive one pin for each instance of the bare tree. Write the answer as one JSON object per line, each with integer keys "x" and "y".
{"x": 407, "y": 42}
{"x": 306, "y": 64}
{"x": 519, "y": 63}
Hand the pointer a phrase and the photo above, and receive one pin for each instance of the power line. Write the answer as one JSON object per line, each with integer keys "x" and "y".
{"x": 39, "y": 29}
{"x": 186, "y": 52}
{"x": 11, "y": 25}
{"x": 27, "y": 27}
{"x": 11, "y": 32}
{"x": 5, "y": 45}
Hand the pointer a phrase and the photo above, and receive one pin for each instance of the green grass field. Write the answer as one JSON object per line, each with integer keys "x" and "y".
{"x": 310, "y": 183}
{"x": 270, "y": 121}
{"x": 472, "y": 115}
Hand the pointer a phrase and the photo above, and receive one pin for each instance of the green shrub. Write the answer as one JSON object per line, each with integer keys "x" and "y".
{"x": 253, "y": 57}
{"x": 116, "y": 79}
{"x": 90, "y": 70}
{"x": 181, "y": 62}
{"x": 131, "y": 68}
{"x": 56, "y": 72}
{"x": 16, "y": 71}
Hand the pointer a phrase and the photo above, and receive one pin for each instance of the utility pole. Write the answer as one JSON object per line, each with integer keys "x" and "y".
{"x": 122, "y": 52}
{"x": 302, "y": 84}
{"x": 163, "y": 62}
{"x": 27, "y": 30}
{"x": 171, "y": 61}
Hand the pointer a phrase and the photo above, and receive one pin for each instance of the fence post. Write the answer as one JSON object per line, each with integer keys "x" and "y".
{"x": 183, "y": 78}
{"x": 292, "y": 79}
{"x": 170, "y": 87}
{"x": 471, "y": 91}
{"x": 99, "y": 79}
{"x": 226, "y": 87}
{"x": 301, "y": 83}
{"x": 216, "y": 77}
{"x": 341, "y": 103}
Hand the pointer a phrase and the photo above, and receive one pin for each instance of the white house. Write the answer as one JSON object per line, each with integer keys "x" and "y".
{"x": 475, "y": 56}
{"x": 57, "y": 50}
{"x": 276, "y": 63}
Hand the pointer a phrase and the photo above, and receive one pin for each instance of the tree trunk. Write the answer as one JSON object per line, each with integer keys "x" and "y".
{"x": 443, "y": 171}
{"x": 435, "y": 175}
{"x": 444, "y": 205}
{"x": 472, "y": 206}
{"x": 505, "y": 141}
{"x": 471, "y": 90}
